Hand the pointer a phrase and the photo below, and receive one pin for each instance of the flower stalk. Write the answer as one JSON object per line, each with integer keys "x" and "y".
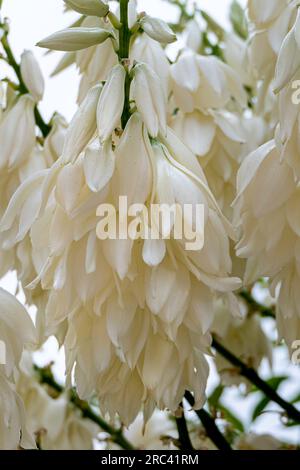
{"x": 250, "y": 374}
{"x": 123, "y": 53}
{"x": 209, "y": 424}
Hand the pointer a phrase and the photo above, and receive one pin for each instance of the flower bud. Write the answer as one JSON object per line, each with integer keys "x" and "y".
{"x": 83, "y": 125}
{"x": 32, "y": 75}
{"x": 88, "y": 7}
{"x": 111, "y": 103}
{"x": 18, "y": 122}
{"x": 158, "y": 30}
{"x": 75, "y": 39}
{"x": 150, "y": 99}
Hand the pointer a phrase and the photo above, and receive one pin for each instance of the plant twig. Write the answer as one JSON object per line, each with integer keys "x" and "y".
{"x": 209, "y": 424}
{"x": 250, "y": 374}
{"x": 268, "y": 312}
{"x": 183, "y": 433}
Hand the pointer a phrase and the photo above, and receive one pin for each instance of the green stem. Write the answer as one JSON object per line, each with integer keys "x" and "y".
{"x": 44, "y": 128}
{"x": 254, "y": 378}
{"x": 124, "y": 43}
{"x": 46, "y": 377}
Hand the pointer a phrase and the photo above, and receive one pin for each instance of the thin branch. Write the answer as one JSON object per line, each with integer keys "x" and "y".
{"x": 250, "y": 374}
{"x": 268, "y": 312}
{"x": 209, "y": 424}
{"x": 184, "y": 437}
{"x": 46, "y": 377}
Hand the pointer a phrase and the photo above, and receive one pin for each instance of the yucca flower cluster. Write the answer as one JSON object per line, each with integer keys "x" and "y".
{"x": 217, "y": 127}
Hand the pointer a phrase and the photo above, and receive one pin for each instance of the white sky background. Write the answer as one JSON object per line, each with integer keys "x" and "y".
{"x": 32, "y": 20}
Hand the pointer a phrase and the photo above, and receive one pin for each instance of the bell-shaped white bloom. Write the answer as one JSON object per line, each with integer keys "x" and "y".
{"x": 88, "y": 7}
{"x": 271, "y": 24}
{"x": 83, "y": 125}
{"x": 32, "y": 75}
{"x": 54, "y": 421}
{"x": 17, "y": 133}
{"x": 150, "y": 99}
{"x": 54, "y": 143}
{"x": 75, "y": 39}
{"x": 204, "y": 82}
{"x": 271, "y": 248}
{"x": 13, "y": 430}
{"x": 16, "y": 332}
{"x": 244, "y": 336}
{"x": 263, "y": 11}
{"x": 288, "y": 59}
{"x": 132, "y": 13}
{"x": 157, "y": 30}
{"x": 111, "y": 103}
{"x": 149, "y": 437}
{"x": 132, "y": 161}
{"x": 193, "y": 38}
{"x": 144, "y": 49}
{"x": 99, "y": 165}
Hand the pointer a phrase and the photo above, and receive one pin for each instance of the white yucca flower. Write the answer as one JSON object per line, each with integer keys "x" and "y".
{"x": 54, "y": 142}
{"x": 270, "y": 231}
{"x": 17, "y": 133}
{"x": 58, "y": 425}
{"x": 193, "y": 38}
{"x": 75, "y": 39}
{"x": 271, "y": 23}
{"x": 13, "y": 430}
{"x": 157, "y": 30}
{"x": 132, "y": 13}
{"x": 150, "y": 98}
{"x": 288, "y": 59}
{"x": 204, "y": 82}
{"x": 111, "y": 103}
{"x": 88, "y": 7}
{"x": 146, "y": 50}
{"x": 221, "y": 140}
{"x": 262, "y": 12}
{"x": 32, "y": 75}
{"x": 244, "y": 336}
{"x": 16, "y": 332}
{"x": 145, "y": 283}
{"x": 83, "y": 125}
